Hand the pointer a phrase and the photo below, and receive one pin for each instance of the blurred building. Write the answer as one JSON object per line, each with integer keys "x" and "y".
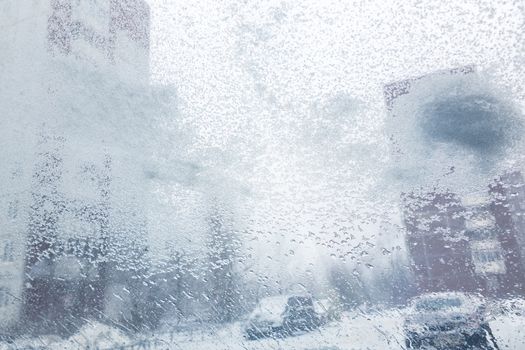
{"x": 475, "y": 243}
{"x": 508, "y": 207}
{"x": 68, "y": 237}
{"x": 13, "y": 223}
{"x": 485, "y": 248}
{"x": 105, "y": 32}
{"x": 68, "y": 199}
{"x": 437, "y": 244}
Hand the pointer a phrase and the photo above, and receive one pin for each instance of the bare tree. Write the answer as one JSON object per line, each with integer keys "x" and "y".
{"x": 224, "y": 280}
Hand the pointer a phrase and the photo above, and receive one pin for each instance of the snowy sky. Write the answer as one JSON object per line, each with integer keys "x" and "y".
{"x": 289, "y": 93}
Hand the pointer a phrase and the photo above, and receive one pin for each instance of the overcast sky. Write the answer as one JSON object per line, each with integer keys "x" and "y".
{"x": 286, "y": 96}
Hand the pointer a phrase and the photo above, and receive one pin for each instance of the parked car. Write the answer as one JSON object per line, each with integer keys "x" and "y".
{"x": 327, "y": 310}
{"x": 447, "y": 321}
{"x": 282, "y": 316}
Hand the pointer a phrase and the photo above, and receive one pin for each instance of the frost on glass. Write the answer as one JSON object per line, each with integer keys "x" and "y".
{"x": 261, "y": 175}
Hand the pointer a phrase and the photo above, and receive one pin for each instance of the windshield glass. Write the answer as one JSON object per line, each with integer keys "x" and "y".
{"x": 171, "y": 169}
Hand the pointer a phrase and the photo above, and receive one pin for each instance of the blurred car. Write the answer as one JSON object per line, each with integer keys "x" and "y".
{"x": 327, "y": 310}
{"x": 281, "y": 316}
{"x": 447, "y": 321}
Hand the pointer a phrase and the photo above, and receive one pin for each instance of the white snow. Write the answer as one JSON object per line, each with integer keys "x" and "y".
{"x": 356, "y": 331}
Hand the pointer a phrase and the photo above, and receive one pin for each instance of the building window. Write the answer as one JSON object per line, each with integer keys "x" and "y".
{"x": 12, "y": 211}
{"x": 488, "y": 260}
{"x": 487, "y": 256}
{"x": 8, "y": 254}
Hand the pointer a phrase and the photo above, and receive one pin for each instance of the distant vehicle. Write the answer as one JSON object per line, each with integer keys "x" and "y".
{"x": 327, "y": 310}
{"x": 448, "y": 320}
{"x": 282, "y": 316}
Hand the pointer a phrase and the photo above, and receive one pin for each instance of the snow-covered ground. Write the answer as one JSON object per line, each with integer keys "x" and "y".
{"x": 378, "y": 331}
{"x": 356, "y": 330}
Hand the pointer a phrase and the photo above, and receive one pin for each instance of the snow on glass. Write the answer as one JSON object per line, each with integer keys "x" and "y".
{"x": 262, "y": 175}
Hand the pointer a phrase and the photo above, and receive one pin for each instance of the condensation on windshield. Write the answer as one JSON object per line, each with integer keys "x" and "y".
{"x": 310, "y": 175}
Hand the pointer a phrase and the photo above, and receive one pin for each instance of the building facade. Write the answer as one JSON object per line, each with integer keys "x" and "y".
{"x": 68, "y": 186}
{"x": 13, "y": 221}
{"x": 508, "y": 207}
{"x": 437, "y": 244}
{"x": 485, "y": 247}
{"x": 473, "y": 243}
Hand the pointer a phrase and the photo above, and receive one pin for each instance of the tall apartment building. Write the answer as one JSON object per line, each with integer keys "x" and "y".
{"x": 66, "y": 67}
{"x": 475, "y": 243}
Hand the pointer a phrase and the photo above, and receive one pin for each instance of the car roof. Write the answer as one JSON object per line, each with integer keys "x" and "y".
{"x": 467, "y": 299}
{"x": 273, "y": 300}
{"x": 274, "y": 304}
{"x": 446, "y": 295}
{"x": 270, "y": 307}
